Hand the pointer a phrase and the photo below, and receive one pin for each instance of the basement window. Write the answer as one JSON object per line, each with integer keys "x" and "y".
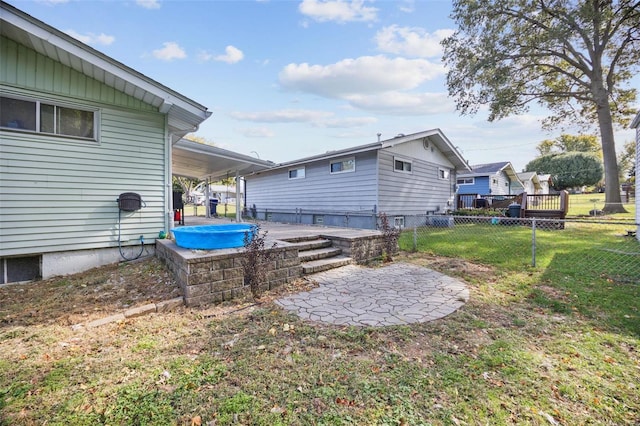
{"x": 46, "y": 118}
{"x": 398, "y": 222}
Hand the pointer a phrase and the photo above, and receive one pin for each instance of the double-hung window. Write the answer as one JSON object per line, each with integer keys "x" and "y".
{"x": 43, "y": 117}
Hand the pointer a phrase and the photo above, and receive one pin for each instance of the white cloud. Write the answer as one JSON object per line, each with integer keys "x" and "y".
{"x": 410, "y": 41}
{"x": 257, "y": 132}
{"x": 364, "y": 75}
{"x": 282, "y": 116}
{"x": 345, "y": 123}
{"x": 170, "y": 51}
{"x": 338, "y": 10}
{"x": 148, "y": 4}
{"x": 91, "y": 38}
{"x": 407, "y": 6}
{"x": 232, "y": 56}
{"x": 324, "y": 119}
{"x": 401, "y": 103}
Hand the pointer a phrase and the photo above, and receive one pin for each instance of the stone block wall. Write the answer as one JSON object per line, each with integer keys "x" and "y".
{"x": 214, "y": 276}
{"x": 360, "y": 249}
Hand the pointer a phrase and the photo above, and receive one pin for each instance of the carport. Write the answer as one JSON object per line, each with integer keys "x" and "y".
{"x": 210, "y": 163}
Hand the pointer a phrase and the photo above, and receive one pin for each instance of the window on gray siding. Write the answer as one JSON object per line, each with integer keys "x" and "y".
{"x": 401, "y": 165}
{"x": 443, "y": 173}
{"x": 343, "y": 166}
{"x": 298, "y": 173}
{"x": 465, "y": 181}
{"x": 39, "y": 117}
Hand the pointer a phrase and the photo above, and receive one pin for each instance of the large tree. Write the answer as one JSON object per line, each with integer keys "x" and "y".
{"x": 568, "y": 169}
{"x": 575, "y": 57}
{"x": 570, "y": 143}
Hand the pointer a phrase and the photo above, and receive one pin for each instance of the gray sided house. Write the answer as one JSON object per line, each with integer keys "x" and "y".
{"x": 77, "y": 129}
{"x": 636, "y": 125}
{"x": 407, "y": 175}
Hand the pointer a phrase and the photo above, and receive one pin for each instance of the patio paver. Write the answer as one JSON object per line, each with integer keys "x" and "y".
{"x": 395, "y": 294}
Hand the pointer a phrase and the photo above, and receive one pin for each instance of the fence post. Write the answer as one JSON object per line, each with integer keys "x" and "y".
{"x": 415, "y": 235}
{"x": 533, "y": 242}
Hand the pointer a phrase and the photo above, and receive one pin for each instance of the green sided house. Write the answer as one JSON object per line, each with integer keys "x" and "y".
{"x": 85, "y": 152}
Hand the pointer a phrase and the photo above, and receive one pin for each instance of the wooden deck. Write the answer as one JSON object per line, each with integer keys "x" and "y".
{"x": 543, "y": 206}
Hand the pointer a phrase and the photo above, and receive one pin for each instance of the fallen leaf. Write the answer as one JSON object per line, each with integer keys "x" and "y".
{"x": 196, "y": 421}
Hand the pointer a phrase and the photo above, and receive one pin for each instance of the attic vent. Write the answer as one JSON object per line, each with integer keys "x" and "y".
{"x": 425, "y": 143}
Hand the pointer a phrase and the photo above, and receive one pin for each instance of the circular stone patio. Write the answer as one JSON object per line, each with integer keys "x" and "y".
{"x": 394, "y": 294}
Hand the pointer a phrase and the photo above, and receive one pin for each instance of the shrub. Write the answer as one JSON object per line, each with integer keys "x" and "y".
{"x": 390, "y": 238}
{"x": 256, "y": 259}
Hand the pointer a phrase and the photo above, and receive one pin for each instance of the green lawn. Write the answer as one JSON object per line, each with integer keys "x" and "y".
{"x": 554, "y": 344}
{"x": 582, "y": 204}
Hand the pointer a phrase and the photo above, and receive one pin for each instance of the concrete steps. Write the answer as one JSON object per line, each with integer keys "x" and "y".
{"x": 318, "y": 254}
{"x": 316, "y": 266}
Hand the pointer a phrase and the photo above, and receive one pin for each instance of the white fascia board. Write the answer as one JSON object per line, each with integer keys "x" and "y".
{"x": 44, "y": 32}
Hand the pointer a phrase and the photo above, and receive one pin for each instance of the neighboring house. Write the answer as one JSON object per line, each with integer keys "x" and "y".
{"x": 225, "y": 194}
{"x": 546, "y": 183}
{"x": 406, "y": 175}
{"x": 636, "y": 125}
{"x": 529, "y": 182}
{"x": 77, "y": 129}
{"x": 490, "y": 179}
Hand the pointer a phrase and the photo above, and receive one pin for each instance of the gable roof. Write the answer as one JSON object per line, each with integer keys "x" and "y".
{"x": 492, "y": 169}
{"x": 434, "y": 136}
{"x": 184, "y": 114}
{"x": 530, "y": 176}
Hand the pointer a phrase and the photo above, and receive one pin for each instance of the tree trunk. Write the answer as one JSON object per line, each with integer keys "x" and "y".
{"x": 612, "y": 200}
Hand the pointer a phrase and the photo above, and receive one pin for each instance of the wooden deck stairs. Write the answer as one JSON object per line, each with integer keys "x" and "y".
{"x": 318, "y": 254}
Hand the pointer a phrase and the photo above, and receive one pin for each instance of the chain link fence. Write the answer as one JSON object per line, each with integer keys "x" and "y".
{"x": 608, "y": 249}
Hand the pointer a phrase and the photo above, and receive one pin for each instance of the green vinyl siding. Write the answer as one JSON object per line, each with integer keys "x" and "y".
{"x": 59, "y": 194}
{"x": 23, "y": 68}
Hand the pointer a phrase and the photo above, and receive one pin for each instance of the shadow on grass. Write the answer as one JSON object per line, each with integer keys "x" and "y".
{"x": 601, "y": 284}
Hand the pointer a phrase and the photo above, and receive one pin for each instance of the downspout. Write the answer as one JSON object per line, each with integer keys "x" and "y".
{"x": 238, "y": 212}
{"x": 168, "y": 160}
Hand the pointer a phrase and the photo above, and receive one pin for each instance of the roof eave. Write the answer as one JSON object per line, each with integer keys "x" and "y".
{"x": 185, "y": 115}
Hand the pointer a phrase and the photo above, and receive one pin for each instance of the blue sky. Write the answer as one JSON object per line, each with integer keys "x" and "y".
{"x": 290, "y": 79}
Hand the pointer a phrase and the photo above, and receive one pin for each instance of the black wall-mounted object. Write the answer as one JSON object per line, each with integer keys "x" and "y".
{"x": 129, "y": 202}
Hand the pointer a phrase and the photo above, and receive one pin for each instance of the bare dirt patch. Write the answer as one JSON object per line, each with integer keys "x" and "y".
{"x": 86, "y": 296}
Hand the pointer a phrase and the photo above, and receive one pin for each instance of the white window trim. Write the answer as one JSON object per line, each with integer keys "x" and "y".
{"x": 398, "y": 222}
{"x": 304, "y": 173}
{"x": 473, "y": 181}
{"x": 39, "y": 101}
{"x": 444, "y": 171}
{"x": 342, "y": 160}
{"x": 404, "y": 160}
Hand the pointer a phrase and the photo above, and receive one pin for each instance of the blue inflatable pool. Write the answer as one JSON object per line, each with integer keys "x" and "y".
{"x": 211, "y": 237}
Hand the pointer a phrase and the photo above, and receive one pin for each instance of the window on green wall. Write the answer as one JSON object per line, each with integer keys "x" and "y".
{"x": 39, "y": 117}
